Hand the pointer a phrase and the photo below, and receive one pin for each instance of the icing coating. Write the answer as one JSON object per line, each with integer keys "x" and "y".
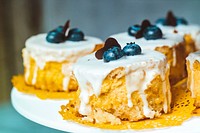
{"x": 42, "y": 51}
{"x": 167, "y": 40}
{"x": 192, "y": 29}
{"x": 90, "y": 73}
{"x": 192, "y": 57}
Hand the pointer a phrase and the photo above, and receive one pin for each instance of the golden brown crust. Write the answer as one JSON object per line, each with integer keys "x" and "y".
{"x": 189, "y": 44}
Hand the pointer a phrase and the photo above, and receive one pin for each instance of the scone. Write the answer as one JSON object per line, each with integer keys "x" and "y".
{"x": 193, "y": 83}
{"x": 48, "y": 58}
{"x": 124, "y": 85}
{"x": 190, "y": 32}
{"x": 150, "y": 37}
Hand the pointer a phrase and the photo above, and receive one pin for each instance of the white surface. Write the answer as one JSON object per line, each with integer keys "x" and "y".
{"x": 45, "y": 112}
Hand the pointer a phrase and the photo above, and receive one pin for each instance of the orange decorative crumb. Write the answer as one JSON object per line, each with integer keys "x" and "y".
{"x": 182, "y": 108}
{"x": 20, "y": 85}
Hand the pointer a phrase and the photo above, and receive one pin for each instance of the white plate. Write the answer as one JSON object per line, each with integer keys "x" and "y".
{"x": 45, "y": 112}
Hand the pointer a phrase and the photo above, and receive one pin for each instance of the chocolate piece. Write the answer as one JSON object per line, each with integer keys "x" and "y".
{"x": 66, "y": 26}
{"x": 170, "y": 19}
{"x": 144, "y": 25}
{"x": 175, "y": 31}
{"x": 110, "y": 42}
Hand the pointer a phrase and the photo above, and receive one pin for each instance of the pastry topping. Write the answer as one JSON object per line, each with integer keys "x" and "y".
{"x": 132, "y": 30}
{"x": 75, "y": 35}
{"x": 144, "y": 25}
{"x": 171, "y": 20}
{"x": 112, "y": 50}
{"x": 175, "y": 31}
{"x": 113, "y": 53}
{"x": 110, "y": 42}
{"x": 132, "y": 49}
{"x": 146, "y": 30}
{"x": 152, "y": 32}
{"x": 58, "y": 35}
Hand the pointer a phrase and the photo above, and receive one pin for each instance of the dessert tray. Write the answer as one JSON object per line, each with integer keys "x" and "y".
{"x": 45, "y": 112}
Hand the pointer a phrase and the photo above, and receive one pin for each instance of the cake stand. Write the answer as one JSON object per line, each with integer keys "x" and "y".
{"x": 45, "y": 112}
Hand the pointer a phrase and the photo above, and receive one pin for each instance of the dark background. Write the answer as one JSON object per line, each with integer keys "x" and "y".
{"x": 19, "y": 19}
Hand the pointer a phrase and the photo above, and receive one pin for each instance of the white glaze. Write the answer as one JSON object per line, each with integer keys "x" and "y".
{"x": 42, "y": 51}
{"x": 197, "y": 42}
{"x": 191, "y": 29}
{"x": 26, "y": 63}
{"x": 91, "y": 72}
{"x": 192, "y": 57}
{"x": 170, "y": 40}
{"x": 35, "y": 75}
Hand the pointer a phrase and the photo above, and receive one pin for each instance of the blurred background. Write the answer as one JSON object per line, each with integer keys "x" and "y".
{"x": 19, "y": 19}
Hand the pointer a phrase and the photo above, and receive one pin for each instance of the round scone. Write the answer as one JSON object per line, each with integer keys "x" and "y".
{"x": 48, "y": 58}
{"x": 190, "y": 32}
{"x": 193, "y": 82}
{"x": 130, "y": 86}
{"x": 150, "y": 37}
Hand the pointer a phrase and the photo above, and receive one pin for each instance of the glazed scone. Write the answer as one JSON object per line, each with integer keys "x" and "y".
{"x": 171, "y": 45}
{"x": 190, "y": 32}
{"x": 193, "y": 83}
{"x": 130, "y": 88}
{"x": 48, "y": 65}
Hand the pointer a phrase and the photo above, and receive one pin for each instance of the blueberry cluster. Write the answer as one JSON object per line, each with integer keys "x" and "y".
{"x": 146, "y": 30}
{"x": 179, "y": 21}
{"x": 132, "y": 30}
{"x": 171, "y": 20}
{"x": 58, "y": 35}
{"x": 115, "y": 52}
{"x": 152, "y": 33}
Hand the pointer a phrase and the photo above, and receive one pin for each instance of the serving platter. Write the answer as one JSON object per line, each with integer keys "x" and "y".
{"x": 46, "y": 113}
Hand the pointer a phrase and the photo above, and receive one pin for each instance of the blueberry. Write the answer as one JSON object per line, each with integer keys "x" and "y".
{"x": 161, "y": 21}
{"x": 152, "y": 32}
{"x": 60, "y": 29}
{"x": 132, "y": 30}
{"x": 55, "y": 37}
{"x": 181, "y": 21}
{"x": 132, "y": 49}
{"x": 113, "y": 53}
{"x": 75, "y": 35}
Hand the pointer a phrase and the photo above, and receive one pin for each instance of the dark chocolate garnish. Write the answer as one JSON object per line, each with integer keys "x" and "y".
{"x": 170, "y": 19}
{"x": 110, "y": 42}
{"x": 144, "y": 25}
{"x": 66, "y": 26}
{"x": 175, "y": 31}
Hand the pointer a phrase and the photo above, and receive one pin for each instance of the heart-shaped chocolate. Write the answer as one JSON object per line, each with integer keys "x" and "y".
{"x": 110, "y": 42}
{"x": 144, "y": 25}
{"x": 170, "y": 19}
{"x": 66, "y": 26}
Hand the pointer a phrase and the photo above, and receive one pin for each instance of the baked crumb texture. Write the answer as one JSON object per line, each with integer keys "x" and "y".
{"x": 50, "y": 77}
{"x": 111, "y": 115}
{"x": 176, "y": 58}
{"x": 194, "y": 80}
{"x": 189, "y": 44}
